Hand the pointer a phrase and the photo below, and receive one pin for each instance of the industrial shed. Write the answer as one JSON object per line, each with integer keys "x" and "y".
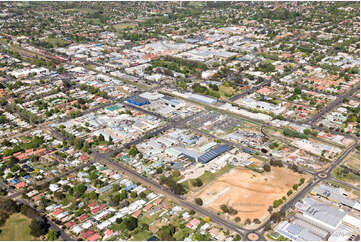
{"x": 210, "y": 155}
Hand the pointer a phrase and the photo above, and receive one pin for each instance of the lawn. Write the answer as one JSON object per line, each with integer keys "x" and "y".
{"x": 142, "y": 236}
{"x": 341, "y": 174}
{"x": 16, "y": 228}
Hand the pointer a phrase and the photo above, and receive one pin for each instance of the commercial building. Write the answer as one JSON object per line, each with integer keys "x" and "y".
{"x": 137, "y": 100}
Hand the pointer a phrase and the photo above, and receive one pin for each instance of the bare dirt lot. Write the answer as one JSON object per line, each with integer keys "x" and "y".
{"x": 249, "y": 192}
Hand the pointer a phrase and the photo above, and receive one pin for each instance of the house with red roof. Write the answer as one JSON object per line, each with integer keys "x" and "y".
{"x": 98, "y": 209}
{"x": 136, "y": 213}
{"x": 20, "y": 185}
{"x": 94, "y": 237}
{"x": 193, "y": 224}
{"x": 58, "y": 211}
{"x": 70, "y": 224}
{"x": 92, "y": 204}
{"x": 40, "y": 151}
{"x": 147, "y": 207}
{"x": 83, "y": 217}
{"x": 84, "y": 157}
{"x": 87, "y": 234}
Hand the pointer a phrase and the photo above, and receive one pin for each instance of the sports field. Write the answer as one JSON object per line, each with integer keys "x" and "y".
{"x": 16, "y": 228}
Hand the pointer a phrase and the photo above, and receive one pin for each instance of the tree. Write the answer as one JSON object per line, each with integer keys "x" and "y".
{"x": 38, "y": 227}
{"x": 248, "y": 221}
{"x": 289, "y": 193}
{"x": 131, "y": 223}
{"x": 198, "y": 201}
{"x": 267, "y": 167}
{"x": 256, "y": 221}
{"x": 237, "y": 219}
{"x": 142, "y": 195}
{"x": 52, "y": 235}
{"x": 115, "y": 199}
{"x": 165, "y": 233}
{"x": 224, "y": 208}
{"x": 237, "y": 237}
{"x": 295, "y": 187}
{"x": 197, "y": 182}
{"x": 123, "y": 195}
{"x": 307, "y": 131}
{"x": 133, "y": 194}
{"x": 175, "y": 173}
{"x": 115, "y": 187}
{"x": 79, "y": 190}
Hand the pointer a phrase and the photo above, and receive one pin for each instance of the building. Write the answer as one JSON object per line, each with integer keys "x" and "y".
{"x": 202, "y": 99}
{"x": 137, "y": 100}
{"x": 335, "y": 195}
{"x": 172, "y": 102}
{"x": 320, "y": 214}
{"x": 213, "y": 153}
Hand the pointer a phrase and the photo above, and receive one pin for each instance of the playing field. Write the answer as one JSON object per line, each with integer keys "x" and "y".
{"x": 249, "y": 192}
{"x": 16, "y": 228}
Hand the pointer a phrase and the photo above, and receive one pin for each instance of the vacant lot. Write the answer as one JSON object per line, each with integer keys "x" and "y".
{"x": 353, "y": 161}
{"x": 249, "y": 192}
{"x": 16, "y": 228}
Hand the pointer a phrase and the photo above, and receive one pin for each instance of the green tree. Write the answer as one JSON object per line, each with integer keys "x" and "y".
{"x": 38, "y": 227}
{"x": 52, "y": 235}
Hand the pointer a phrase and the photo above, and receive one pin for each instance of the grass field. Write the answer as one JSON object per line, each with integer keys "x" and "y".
{"x": 353, "y": 161}
{"x": 142, "y": 236}
{"x": 16, "y": 228}
{"x": 340, "y": 174}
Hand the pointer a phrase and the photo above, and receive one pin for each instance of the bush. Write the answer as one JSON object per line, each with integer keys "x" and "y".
{"x": 295, "y": 134}
{"x": 198, "y": 201}
{"x": 197, "y": 182}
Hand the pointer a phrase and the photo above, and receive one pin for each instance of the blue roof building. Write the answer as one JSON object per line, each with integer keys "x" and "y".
{"x": 137, "y": 100}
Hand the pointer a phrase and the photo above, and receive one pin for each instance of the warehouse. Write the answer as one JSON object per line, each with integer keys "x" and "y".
{"x": 174, "y": 103}
{"x": 202, "y": 99}
{"x": 210, "y": 155}
{"x": 137, "y": 100}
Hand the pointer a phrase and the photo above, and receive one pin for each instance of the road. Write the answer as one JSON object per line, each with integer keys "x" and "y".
{"x": 332, "y": 105}
{"x": 106, "y": 158}
{"x": 252, "y": 90}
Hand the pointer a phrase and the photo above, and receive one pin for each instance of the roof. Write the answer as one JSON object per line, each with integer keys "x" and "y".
{"x": 83, "y": 217}
{"x": 210, "y": 155}
{"x": 322, "y": 213}
{"x": 332, "y": 194}
{"x": 94, "y": 237}
{"x": 138, "y": 100}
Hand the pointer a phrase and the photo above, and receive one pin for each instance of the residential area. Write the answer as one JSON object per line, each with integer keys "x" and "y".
{"x": 179, "y": 121}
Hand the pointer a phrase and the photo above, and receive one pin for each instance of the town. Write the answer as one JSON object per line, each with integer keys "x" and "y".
{"x": 180, "y": 121}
